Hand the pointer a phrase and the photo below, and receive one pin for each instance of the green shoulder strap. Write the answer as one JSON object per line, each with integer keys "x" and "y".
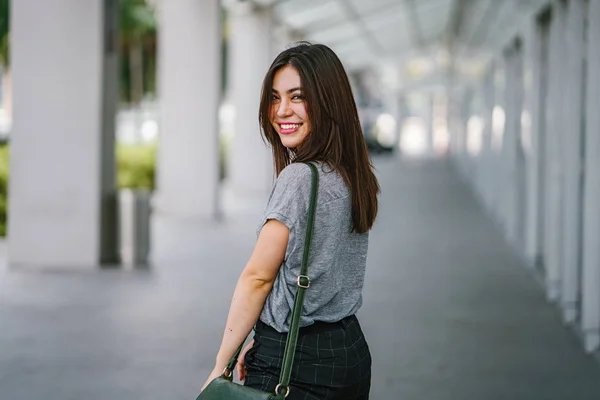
{"x": 303, "y": 283}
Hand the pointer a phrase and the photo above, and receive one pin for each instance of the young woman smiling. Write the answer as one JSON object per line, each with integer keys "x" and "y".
{"x": 308, "y": 115}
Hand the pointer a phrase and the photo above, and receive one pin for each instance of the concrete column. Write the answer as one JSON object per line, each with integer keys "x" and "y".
{"x": 457, "y": 129}
{"x": 391, "y": 103}
{"x": 189, "y": 43}
{"x": 537, "y": 50}
{"x": 511, "y": 149}
{"x": 250, "y": 172}
{"x": 430, "y": 123}
{"x": 590, "y": 318}
{"x": 62, "y": 198}
{"x": 572, "y": 131}
{"x": 486, "y": 174}
{"x": 463, "y": 114}
{"x": 554, "y": 154}
{"x": 441, "y": 129}
{"x": 519, "y": 170}
{"x": 498, "y": 203}
{"x": 453, "y": 137}
{"x": 506, "y": 156}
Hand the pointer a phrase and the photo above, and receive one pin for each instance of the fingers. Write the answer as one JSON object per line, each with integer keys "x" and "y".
{"x": 241, "y": 365}
{"x": 242, "y": 371}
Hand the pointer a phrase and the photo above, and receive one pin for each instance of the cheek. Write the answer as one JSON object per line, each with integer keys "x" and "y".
{"x": 272, "y": 115}
{"x": 301, "y": 112}
{"x": 306, "y": 120}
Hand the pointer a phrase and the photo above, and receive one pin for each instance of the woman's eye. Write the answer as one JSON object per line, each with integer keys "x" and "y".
{"x": 273, "y": 97}
{"x": 298, "y": 97}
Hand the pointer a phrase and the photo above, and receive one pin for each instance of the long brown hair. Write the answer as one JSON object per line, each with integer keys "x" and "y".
{"x": 336, "y": 136}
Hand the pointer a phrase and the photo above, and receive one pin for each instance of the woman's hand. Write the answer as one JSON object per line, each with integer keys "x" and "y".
{"x": 241, "y": 365}
{"x": 214, "y": 374}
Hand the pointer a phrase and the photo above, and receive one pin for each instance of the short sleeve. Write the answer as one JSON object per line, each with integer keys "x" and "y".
{"x": 290, "y": 195}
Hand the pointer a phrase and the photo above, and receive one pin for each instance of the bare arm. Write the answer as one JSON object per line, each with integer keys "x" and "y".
{"x": 253, "y": 287}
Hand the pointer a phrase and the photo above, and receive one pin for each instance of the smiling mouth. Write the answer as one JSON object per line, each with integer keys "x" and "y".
{"x": 287, "y": 129}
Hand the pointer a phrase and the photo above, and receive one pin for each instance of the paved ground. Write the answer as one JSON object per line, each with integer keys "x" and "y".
{"x": 449, "y": 312}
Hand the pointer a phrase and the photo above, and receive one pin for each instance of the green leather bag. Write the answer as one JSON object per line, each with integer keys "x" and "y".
{"x": 222, "y": 387}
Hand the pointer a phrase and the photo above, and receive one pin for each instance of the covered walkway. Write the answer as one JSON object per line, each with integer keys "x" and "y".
{"x": 450, "y": 311}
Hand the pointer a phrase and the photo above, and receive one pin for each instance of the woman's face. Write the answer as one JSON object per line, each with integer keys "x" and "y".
{"x": 288, "y": 109}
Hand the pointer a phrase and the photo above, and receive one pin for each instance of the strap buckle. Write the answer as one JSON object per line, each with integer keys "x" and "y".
{"x": 303, "y": 281}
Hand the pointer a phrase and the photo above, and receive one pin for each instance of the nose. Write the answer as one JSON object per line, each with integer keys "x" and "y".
{"x": 284, "y": 109}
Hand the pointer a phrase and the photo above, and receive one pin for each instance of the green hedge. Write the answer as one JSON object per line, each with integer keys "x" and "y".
{"x": 135, "y": 166}
{"x": 135, "y": 169}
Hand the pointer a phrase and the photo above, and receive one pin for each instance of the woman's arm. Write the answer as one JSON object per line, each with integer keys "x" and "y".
{"x": 253, "y": 287}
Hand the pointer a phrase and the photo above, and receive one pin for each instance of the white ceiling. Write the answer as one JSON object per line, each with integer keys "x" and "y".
{"x": 415, "y": 37}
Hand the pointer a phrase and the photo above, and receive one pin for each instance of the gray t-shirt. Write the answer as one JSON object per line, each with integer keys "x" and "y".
{"x": 337, "y": 256}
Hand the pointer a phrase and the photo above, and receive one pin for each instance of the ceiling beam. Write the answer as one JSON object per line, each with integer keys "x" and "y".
{"x": 413, "y": 21}
{"x": 373, "y": 13}
{"x": 366, "y": 33}
{"x": 480, "y": 33}
{"x": 455, "y": 22}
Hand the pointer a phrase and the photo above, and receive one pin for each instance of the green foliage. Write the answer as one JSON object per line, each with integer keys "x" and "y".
{"x": 137, "y": 31}
{"x": 3, "y": 187}
{"x": 136, "y": 19}
{"x": 135, "y": 166}
{"x": 224, "y": 146}
{"x": 4, "y": 31}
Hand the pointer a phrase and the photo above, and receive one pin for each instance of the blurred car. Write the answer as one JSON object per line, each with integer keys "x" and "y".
{"x": 381, "y": 134}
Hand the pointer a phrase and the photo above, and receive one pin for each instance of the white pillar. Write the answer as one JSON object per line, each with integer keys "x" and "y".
{"x": 498, "y": 203}
{"x": 591, "y": 232}
{"x": 507, "y": 156}
{"x": 537, "y": 54}
{"x": 572, "y": 132}
{"x": 250, "y": 163}
{"x": 554, "y": 154}
{"x": 189, "y": 42}
{"x": 463, "y": 114}
{"x": 430, "y": 124}
{"x": 519, "y": 170}
{"x": 390, "y": 99}
{"x": 512, "y": 157}
{"x": 486, "y": 173}
{"x": 62, "y": 199}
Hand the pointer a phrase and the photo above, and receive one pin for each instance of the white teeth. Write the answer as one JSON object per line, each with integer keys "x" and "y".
{"x": 289, "y": 126}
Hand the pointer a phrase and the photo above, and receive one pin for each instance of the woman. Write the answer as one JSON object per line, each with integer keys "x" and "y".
{"x": 308, "y": 114}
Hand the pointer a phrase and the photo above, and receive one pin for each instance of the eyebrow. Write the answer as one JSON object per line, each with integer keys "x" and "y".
{"x": 288, "y": 91}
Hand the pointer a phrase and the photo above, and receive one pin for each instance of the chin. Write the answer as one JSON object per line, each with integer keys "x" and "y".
{"x": 290, "y": 143}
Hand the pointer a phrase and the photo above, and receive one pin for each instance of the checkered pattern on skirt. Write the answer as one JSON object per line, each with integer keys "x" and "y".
{"x": 332, "y": 361}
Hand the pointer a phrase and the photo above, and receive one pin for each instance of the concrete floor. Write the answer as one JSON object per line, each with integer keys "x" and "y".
{"x": 449, "y": 311}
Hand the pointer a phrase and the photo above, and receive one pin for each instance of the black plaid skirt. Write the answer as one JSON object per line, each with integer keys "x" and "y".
{"x": 332, "y": 361}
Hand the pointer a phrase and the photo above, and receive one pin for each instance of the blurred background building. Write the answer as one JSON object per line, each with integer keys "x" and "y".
{"x": 102, "y": 95}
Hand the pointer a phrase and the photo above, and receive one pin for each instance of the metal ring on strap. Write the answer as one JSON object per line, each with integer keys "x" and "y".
{"x": 227, "y": 373}
{"x": 287, "y": 390}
